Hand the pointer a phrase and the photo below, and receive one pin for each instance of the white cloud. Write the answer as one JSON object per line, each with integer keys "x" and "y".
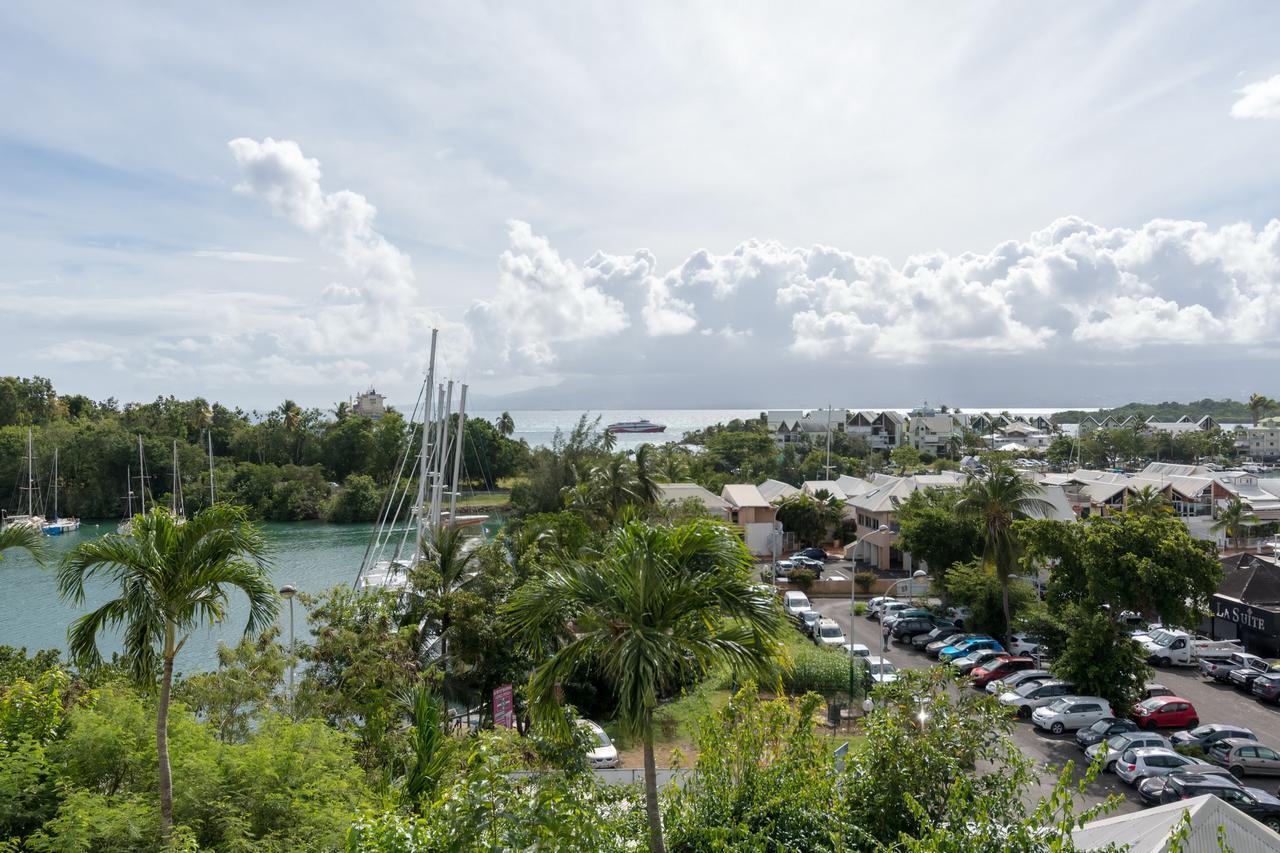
{"x": 82, "y": 352}
{"x": 1259, "y": 100}
{"x": 244, "y": 257}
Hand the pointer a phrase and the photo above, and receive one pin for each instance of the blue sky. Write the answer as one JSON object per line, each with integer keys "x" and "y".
{"x": 643, "y": 205}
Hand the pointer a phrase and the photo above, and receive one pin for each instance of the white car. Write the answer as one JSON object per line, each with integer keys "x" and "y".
{"x": 961, "y": 615}
{"x": 1139, "y": 763}
{"x": 828, "y": 634}
{"x": 894, "y": 607}
{"x": 1031, "y": 695}
{"x": 1023, "y": 644}
{"x": 782, "y": 568}
{"x": 882, "y": 670}
{"x": 856, "y": 650}
{"x": 1017, "y": 679}
{"x": 603, "y": 753}
{"x": 875, "y": 605}
{"x": 1117, "y": 745}
{"x": 794, "y": 601}
{"x": 1070, "y": 713}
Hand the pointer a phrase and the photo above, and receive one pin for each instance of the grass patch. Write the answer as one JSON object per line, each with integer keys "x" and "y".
{"x": 484, "y": 498}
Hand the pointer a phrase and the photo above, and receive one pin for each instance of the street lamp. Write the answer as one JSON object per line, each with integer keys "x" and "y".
{"x": 918, "y": 574}
{"x": 287, "y": 592}
{"x": 853, "y": 592}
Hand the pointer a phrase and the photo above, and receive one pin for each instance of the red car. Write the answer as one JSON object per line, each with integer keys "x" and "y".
{"x": 1000, "y": 668}
{"x": 1166, "y": 712}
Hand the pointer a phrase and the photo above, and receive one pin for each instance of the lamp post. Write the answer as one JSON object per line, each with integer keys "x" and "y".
{"x": 918, "y": 574}
{"x": 287, "y": 592}
{"x": 853, "y": 594}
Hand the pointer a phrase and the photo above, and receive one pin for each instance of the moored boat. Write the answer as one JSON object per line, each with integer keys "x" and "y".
{"x": 58, "y": 525}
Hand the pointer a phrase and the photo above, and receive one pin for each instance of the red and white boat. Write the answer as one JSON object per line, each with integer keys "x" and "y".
{"x": 636, "y": 426}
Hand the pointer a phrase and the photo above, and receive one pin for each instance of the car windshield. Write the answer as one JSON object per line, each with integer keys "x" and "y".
{"x": 883, "y": 668}
{"x": 1150, "y": 704}
{"x": 1200, "y": 732}
{"x": 1163, "y": 639}
{"x": 1102, "y": 725}
{"x": 602, "y": 739}
{"x": 1117, "y": 741}
{"x": 1025, "y": 689}
{"x": 1059, "y": 704}
{"x": 831, "y": 631}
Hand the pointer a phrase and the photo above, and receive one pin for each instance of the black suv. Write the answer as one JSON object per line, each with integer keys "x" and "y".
{"x": 813, "y": 554}
{"x": 1104, "y": 729}
{"x": 907, "y": 629}
{"x": 940, "y": 633}
{"x": 1207, "y": 735}
{"x": 1255, "y": 802}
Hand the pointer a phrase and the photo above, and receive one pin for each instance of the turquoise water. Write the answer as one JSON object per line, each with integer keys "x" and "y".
{"x": 311, "y": 556}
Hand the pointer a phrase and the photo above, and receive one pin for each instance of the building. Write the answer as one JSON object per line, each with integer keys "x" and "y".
{"x": 1246, "y": 606}
{"x": 678, "y": 493}
{"x": 775, "y": 490}
{"x": 370, "y": 404}
{"x": 1262, "y": 444}
{"x": 749, "y": 509}
{"x": 881, "y": 431}
{"x": 1212, "y": 825}
{"x": 933, "y": 433}
{"x": 878, "y": 507}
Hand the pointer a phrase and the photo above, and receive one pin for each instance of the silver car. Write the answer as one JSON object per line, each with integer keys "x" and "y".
{"x": 1137, "y": 764}
{"x": 1015, "y": 680}
{"x": 1116, "y": 746}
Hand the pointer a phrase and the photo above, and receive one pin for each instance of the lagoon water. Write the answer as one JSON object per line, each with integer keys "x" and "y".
{"x": 311, "y": 556}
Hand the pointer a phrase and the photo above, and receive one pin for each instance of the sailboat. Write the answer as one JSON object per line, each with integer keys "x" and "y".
{"x": 59, "y": 525}
{"x": 176, "y": 504}
{"x": 29, "y": 518}
{"x": 390, "y": 570}
{"x": 127, "y": 525}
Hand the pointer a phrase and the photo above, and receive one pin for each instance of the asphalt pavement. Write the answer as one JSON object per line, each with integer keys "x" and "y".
{"x": 1215, "y": 703}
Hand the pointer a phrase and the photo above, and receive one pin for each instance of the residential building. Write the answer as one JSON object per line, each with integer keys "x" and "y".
{"x": 933, "y": 433}
{"x": 775, "y": 490}
{"x": 678, "y": 493}
{"x": 882, "y": 431}
{"x": 1203, "y": 823}
{"x": 1262, "y": 444}
{"x": 749, "y": 509}
{"x": 831, "y": 487}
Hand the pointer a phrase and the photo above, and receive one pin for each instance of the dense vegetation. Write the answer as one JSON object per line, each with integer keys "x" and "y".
{"x": 1223, "y": 411}
{"x": 283, "y": 465}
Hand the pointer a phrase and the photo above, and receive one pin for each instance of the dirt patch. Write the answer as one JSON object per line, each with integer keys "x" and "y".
{"x": 633, "y": 759}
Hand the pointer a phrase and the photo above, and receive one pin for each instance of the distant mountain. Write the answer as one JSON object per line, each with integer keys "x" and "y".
{"x": 1223, "y": 411}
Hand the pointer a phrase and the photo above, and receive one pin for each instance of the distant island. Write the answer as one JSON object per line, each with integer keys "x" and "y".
{"x": 1223, "y": 411}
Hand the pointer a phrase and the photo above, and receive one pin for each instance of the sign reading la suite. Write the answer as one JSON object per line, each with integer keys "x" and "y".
{"x": 1244, "y": 615}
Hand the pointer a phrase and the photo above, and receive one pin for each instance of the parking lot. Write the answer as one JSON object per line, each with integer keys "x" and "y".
{"x": 1215, "y": 703}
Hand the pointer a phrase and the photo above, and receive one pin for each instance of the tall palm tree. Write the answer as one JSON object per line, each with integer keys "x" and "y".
{"x": 23, "y": 536}
{"x": 172, "y": 579}
{"x": 1149, "y": 501}
{"x": 999, "y": 499}
{"x": 646, "y": 471}
{"x": 672, "y": 465}
{"x": 1258, "y": 404}
{"x": 444, "y": 568}
{"x": 1232, "y": 519}
{"x": 609, "y": 440}
{"x": 506, "y": 424}
{"x": 658, "y": 605}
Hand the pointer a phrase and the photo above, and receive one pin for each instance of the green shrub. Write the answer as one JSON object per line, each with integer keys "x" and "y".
{"x": 802, "y": 579}
{"x": 859, "y": 608}
{"x": 817, "y": 670}
{"x": 863, "y": 581}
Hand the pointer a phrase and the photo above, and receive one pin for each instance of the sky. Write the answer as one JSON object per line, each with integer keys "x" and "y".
{"x": 607, "y": 205}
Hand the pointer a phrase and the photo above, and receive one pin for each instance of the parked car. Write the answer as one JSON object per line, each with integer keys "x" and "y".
{"x": 1266, "y": 688}
{"x": 782, "y": 568}
{"x": 828, "y": 633}
{"x": 906, "y": 630}
{"x": 1002, "y": 685}
{"x": 1137, "y": 764}
{"x": 1070, "y": 713}
{"x": 891, "y": 619}
{"x": 875, "y": 605}
{"x": 942, "y": 632}
{"x": 1150, "y": 788}
{"x": 1165, "y": 712}
{"x": 985, "y": 673}
{"x": 977, "y": 644}
{"x": 1024, "y": 644}
{"x": 603, "y": 753}
{"x": 1244, "y": 757}
{"x": 856, "y": 650}
{"x": 1117, "y": 745}
{"x": 809, "y": 620}
{"x": 1032, "y": 695}
{"x": 794, "y": 601}
{"x": 815, "y": 566}
{"x": 1254, "y": 802}
{"x": 882, "y": 670}
{"x": 1210, "y": 733}
{"x": 893, "y": 607}
{"x": 812, "y": 554}
{"x": 961, "y": 615}
{"x": 1178, "y": 648}
{"x": 935, "y": 648}
{"x": 1219, "y": 668}
{"x": 970, "y": 662}
{"x": 1155, "y": 690}
{"x": 1107, "y": 727}
{"x": 1242, "y": 678}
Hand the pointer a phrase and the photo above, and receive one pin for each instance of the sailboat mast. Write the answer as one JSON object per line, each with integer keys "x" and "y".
{"x": 31, "y": 471}
{"x": 212, "y": 497}
{"x": 128, "y": 490}
{"x": 142, "y": 474}
{"x": 55, "y": 484}
{"x": 457, "y": 455}
{"x": 424, "y": 451}
{"x": 443, "y": 457}
{"x": 175, "y": 494}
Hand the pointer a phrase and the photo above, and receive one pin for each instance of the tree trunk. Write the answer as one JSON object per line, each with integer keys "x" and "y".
{"x": 162, "y": 742}
{"x": 1008, "y": 622}
{"x": 656, "y": 844}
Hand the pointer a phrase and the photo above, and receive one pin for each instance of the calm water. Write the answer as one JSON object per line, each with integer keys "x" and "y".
{"x": 311, "y": 556}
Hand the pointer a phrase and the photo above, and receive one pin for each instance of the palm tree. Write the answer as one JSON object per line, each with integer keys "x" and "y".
{"x": 1258, "y": 404}
{"x": 1149, "y": 501}
{"x": 440, "y": 573}
{"x": 658, "y": 605}
{"x": 1000, "y": 499}
{"x": 1232, "y": 518}
{"x": 672, "y": 465}
{"x": 646, "y": 485}
{"x": 506, "y": 424}
{"x": 23, "y": 536}
{"x": 172, "y": 579}
{"x": 609, "y": 440}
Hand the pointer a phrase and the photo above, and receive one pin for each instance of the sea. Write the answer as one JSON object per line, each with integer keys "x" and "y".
{"x": 311, "y": 556}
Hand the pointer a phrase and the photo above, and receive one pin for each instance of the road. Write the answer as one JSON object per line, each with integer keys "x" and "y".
{"x": 1215, "y": 703}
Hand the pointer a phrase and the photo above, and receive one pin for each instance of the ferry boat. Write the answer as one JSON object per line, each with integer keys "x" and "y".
{"x": 641, "y": 425}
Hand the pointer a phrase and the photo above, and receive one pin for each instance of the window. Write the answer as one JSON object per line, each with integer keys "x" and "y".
{"x": 1268, "y": 754}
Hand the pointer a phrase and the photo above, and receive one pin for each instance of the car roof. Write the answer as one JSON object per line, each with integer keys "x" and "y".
{"x": 1165, "y": 700}
{"x": 878, "y": 659}
{"x": 1097, "y": 699}
{"x": 1144, "y": 751}
{"x": 796, "y": 594}
{"x": 1225, "y": 727}
{"x": 1233, "y": 742}
{"x": 1203, "y": 780}
{"x": 825, "y": 621}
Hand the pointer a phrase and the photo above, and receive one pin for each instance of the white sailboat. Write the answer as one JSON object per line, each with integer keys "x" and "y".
{"x": 59, "y": 525}
{"x": 127, "y": 525}
{"x": 176, "y": 505}
{"x": 390, "y": 555}
{"x": 29, "y": 518}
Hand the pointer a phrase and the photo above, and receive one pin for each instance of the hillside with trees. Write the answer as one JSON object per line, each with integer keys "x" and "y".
{"x": 1223, "y": 411}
